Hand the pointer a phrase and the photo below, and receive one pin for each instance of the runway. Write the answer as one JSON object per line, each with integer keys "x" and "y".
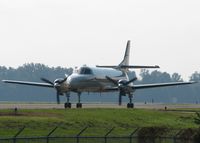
{"x": 96, "y": 105}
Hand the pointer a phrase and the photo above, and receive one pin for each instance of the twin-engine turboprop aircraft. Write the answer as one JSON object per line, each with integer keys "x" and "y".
{"x": 98, "y": 79}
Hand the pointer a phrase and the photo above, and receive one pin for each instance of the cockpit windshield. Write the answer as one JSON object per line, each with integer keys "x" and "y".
{"x": 85, "y": 70}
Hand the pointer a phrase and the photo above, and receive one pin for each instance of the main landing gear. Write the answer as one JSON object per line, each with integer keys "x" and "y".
{"x": 79, "y": 104}
{"x": 69, "y": 105}
{"x": 130, "y": 104}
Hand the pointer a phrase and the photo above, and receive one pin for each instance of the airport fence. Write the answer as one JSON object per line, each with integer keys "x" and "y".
{"x": 138, "y": 135}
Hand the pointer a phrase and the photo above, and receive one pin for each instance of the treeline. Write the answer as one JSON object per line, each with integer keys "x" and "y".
{"x": 33, "y": 72}
{"x": 30, "y": 72}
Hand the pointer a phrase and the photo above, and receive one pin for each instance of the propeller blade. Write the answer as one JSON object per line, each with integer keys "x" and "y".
{"x": 63, "y": 80}
{"x": 56, "y": 85}
{"x": 120, "y": 100}
{"x": 112, "y": 80}
{"x": 58, "y": 97}
{"x": 67, "y": 75}
{"x": 132, "y": 80}
{"x": 47, "y": 81}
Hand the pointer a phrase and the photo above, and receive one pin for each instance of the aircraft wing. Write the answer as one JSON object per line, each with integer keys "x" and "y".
{"x": 28, "y": 83}
{"x": 143, "y": 86}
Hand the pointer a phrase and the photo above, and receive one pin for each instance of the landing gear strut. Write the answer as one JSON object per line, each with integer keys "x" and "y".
{"x": 67, "y": 104}
{"x": 79, "y": 104}
{"x": 130, "y": 104}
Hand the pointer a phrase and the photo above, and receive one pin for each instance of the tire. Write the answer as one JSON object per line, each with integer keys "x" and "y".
{"x": 130, "y": 105}
{"x": 68, "y": 105}
{"x": 79, "y": 105}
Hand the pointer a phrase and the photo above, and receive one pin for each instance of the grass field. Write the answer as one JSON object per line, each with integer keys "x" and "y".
{"x": 39, "y": 122}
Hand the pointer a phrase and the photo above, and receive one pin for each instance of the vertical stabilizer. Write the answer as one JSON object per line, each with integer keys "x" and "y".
{"x": 125, "y": 61}
{"x": 124, "y": 65}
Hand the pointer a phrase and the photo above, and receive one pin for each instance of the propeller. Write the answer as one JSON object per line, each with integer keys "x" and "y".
{"x": 58, "y": 97}
{"x": 112, "y": 80}
{"x": 47, "y": 81}
{"x": 122, "y": 86}
{"x": 56, "y": 84}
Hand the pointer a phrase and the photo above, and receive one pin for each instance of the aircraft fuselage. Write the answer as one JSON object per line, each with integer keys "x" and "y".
{"x": 92, "y": 79}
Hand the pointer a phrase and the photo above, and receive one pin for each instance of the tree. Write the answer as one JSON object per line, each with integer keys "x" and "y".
{"x": 176, "y": 77}
{"x": 195, "y": 76}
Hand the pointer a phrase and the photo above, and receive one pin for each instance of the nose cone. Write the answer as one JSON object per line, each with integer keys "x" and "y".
{"x": 78, "y": 81}
{"x": 73, "y": 80}
{"x": 56, "y": 85}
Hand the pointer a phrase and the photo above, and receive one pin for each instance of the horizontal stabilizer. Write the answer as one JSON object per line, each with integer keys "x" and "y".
{"x": 128, "y": 66}
{"x": 139, "y": 67}
{"x": 106, "y": 66}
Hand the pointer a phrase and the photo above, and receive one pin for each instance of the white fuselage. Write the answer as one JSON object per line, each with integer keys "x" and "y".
{"x": 92, "y": 79}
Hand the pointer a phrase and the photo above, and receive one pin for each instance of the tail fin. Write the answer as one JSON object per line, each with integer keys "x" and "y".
{"x": 125, "y": 61}
{"x": 124, "y": 65}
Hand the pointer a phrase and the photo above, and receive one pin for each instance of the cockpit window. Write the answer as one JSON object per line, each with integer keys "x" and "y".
{"x": 85, "y": 70}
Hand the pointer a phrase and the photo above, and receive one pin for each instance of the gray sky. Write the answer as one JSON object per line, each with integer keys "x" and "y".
{"x": 72, "y": 33}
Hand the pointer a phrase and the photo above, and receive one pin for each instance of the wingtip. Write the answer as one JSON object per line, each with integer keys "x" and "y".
{"x": 156, "y": 66}
{"x": 4, "y": 80}
{"x": 193, "y": 82}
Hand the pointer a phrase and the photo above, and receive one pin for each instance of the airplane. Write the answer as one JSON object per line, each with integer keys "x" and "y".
{"x": 99, "y": 79}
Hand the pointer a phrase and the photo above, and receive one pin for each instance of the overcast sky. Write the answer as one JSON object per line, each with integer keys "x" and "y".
{"x": 71, "y": 33}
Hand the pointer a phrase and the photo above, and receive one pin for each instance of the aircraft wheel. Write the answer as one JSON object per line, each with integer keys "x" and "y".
{"x": 79, "y": 105}
{"x": 130, "y": 105}
{"x": 68, "y": 105}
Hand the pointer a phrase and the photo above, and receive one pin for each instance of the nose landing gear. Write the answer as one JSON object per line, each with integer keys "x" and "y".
{"x": 69, "y": 105}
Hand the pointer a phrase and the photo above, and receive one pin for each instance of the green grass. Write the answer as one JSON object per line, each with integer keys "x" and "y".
{"x": 39, "y": 122}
